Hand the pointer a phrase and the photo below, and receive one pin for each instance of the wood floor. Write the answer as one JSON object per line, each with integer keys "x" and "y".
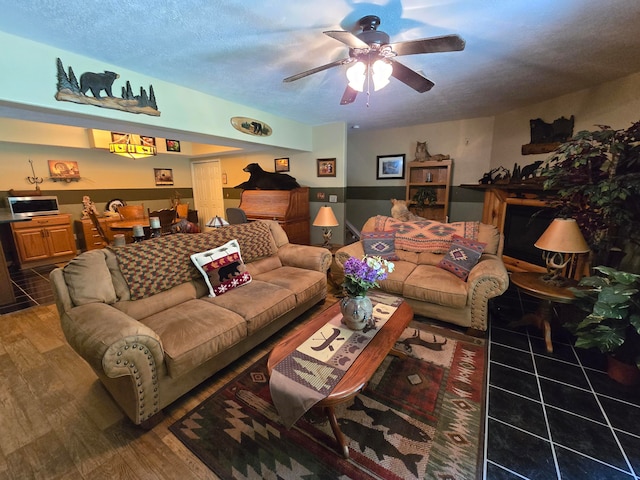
{"x": 57, "y": 421}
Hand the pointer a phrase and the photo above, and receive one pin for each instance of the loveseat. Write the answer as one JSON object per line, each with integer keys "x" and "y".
{"x": 142, "y": 316}
{"x": 432, "y": 287}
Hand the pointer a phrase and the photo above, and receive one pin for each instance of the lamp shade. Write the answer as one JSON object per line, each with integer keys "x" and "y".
{"x": 216, "y": 222}
{"x": 325, "y": 218}
{"x": 563, "y": 236}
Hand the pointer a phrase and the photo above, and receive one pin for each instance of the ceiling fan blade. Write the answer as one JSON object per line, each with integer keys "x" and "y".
{"x": 349, "y": 96}
{"x": 348, "y": 38}
{"x": 447, "y": 43}
{"x": 300, "y": 75}
{"x": 410, "y": 77}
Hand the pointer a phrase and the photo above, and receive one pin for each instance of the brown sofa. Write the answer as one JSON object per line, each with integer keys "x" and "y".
{"x": 437, "y": 293}
{"x": 142, "y": 317}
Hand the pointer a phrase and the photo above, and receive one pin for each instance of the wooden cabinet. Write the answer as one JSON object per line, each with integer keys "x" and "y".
{"x": 90, "y": 238}
{"x": 436, "y": 177}
{"x": 44, "y": 240}
{"x": 290, "y": 208}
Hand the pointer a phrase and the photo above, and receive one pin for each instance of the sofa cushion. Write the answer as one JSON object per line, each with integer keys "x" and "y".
{"x": 259, "y": 303}
{"x": 88, "y": 279}
{"x": 222, "y": 268}
{"x": 462, "y": 256}
{"x": 426, "y": 235}
{"x": 304, "y": 283}
{"x": 429, "y": 283}
{"x": 394, "y": 283}
{"x": 381, "y": 244}
{"x": 193, "y": 332}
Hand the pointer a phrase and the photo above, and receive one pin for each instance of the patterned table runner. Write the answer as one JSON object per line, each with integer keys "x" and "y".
{"x": 310, "y": 372}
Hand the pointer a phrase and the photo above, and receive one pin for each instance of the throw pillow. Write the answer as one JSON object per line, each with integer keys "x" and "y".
{"x": 222, "y": 268}
{"x": 381, "y": 244}
{"x": 462, "y": 256}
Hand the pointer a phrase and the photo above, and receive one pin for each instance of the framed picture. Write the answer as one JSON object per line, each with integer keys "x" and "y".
{"x": 326, "y": 167}
{"x": 281, "y": 164}
{"x": 63, "y": 170}
{"x": 119, "y": 137}
{"x": 390, "y": 166}
{"x": 163, "y": 176}
{"x": 173, "y": 145}
{"x": 148, "y": 141}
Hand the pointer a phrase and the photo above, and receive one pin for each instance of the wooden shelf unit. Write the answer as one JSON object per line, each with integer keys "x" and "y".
{"x": 430, "y": 174}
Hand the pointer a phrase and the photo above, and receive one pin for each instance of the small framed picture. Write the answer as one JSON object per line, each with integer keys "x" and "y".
{"x": 63, "y": 170}
{"x": 326, "y": 167}
{"x": 281, "y": 164}
{"x": 148, "y": 141}
{"x": 390, "y": 166}
{"x": 163, "y": 176}
{"x": 173, "y": 145}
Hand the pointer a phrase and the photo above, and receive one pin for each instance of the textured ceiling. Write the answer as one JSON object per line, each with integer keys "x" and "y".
{"x": 517, "y": 52}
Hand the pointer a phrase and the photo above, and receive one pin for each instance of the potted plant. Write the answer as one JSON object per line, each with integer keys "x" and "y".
{"x": 596, "y": 176}
{"x": 612, "y": 325}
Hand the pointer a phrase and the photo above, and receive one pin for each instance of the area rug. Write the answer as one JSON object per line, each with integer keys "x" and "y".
{"x": 419, "y": 417}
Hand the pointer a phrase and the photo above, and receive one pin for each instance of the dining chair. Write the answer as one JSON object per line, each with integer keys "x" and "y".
{"x": 98, "y": 227}
{"x": 131, "y": 212}
{"x": 236, "y": 215}
{"x": 182, "y": 209}
{"x": 167, "y": 219}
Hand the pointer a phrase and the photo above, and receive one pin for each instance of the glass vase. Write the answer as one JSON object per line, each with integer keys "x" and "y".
{"x": 356, "y": 311}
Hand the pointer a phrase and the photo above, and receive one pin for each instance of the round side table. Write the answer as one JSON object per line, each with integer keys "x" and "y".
{"x": 531, "y": 283}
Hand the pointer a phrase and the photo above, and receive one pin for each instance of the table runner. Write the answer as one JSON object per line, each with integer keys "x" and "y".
{"x": 309, "y": 373}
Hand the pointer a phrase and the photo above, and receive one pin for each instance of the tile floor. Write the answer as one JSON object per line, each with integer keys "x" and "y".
{"x": 554, "y": 415}
{"x": 549, "y": 416}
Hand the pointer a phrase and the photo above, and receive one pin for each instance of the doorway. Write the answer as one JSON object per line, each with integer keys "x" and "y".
{"x": 206, "y": 178}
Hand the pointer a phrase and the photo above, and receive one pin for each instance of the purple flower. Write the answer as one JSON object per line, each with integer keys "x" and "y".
{"x": 362, "y": 274}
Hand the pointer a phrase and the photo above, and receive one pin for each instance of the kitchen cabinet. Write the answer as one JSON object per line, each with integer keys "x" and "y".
{"x": 89, "y": 234}
{"x": 44, "y": 240}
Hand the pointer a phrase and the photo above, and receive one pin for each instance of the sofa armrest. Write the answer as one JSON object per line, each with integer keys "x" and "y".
{"x": 355, "y": 249}
{"x": 97, "y": 332}
{"x": 305, "y": 256}
{"x": 488, "y": 279}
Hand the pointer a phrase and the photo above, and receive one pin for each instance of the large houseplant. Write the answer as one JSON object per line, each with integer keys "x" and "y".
{"x": 596, "y": 177}
{"x": 612, "y": 301}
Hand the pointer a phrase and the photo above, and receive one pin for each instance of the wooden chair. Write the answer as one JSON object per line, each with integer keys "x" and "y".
{"x": 182, "y": 210}
{"x": 167, "y": 218}
{"x": 131, "y": 212}
{"x": 99, "y": 229}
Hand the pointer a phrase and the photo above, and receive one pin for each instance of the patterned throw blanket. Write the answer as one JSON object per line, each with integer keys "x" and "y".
{"x": 159, "y": 264}
{"x": 310, "y": 372}
{"x": 426, "y": 235}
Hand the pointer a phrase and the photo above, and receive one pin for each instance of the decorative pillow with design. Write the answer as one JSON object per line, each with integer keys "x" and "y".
{"x": 462, "y": 256}
{"x": 222, "y": 268}
{"x": 381, "y": 244}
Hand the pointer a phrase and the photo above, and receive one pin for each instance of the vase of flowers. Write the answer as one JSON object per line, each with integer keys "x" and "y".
{"x": 359, "y": 276}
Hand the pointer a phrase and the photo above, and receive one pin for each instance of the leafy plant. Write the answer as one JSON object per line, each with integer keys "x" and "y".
{"x": 613, "y": 323}
{"x": 597, "y": 178}
{"x": 425, "y": 196}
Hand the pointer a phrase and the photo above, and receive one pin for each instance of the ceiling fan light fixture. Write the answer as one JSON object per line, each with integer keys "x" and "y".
{"x": 356, "y": 74}
{"x": 381, "y": 72}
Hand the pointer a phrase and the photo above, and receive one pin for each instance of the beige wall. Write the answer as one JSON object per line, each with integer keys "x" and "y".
{"x": 614, "y": 103}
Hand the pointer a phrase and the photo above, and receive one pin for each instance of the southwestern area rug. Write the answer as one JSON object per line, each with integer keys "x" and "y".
{"x": 420, "y": 417}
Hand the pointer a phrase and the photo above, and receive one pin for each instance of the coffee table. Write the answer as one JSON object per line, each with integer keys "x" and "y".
{"x": 362, "y": 369}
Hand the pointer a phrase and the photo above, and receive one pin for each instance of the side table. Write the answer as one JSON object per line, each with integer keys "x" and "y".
{"x": 531, "y": 283}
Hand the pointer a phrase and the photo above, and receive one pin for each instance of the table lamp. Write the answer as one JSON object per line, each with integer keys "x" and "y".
{"x": 326, "y": 219}
{"x": 216, "y": 222}
{"x": 560, "y": 242}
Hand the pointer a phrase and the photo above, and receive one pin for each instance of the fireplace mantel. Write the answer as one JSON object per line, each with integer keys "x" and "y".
{"x": 496, "y": 199}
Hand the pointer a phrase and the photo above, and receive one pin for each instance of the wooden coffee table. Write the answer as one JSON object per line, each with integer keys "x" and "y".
{"x": 362, "y": 369}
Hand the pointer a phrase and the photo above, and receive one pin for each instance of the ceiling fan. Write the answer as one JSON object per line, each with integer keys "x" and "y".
{"x": 372, "y": 57}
